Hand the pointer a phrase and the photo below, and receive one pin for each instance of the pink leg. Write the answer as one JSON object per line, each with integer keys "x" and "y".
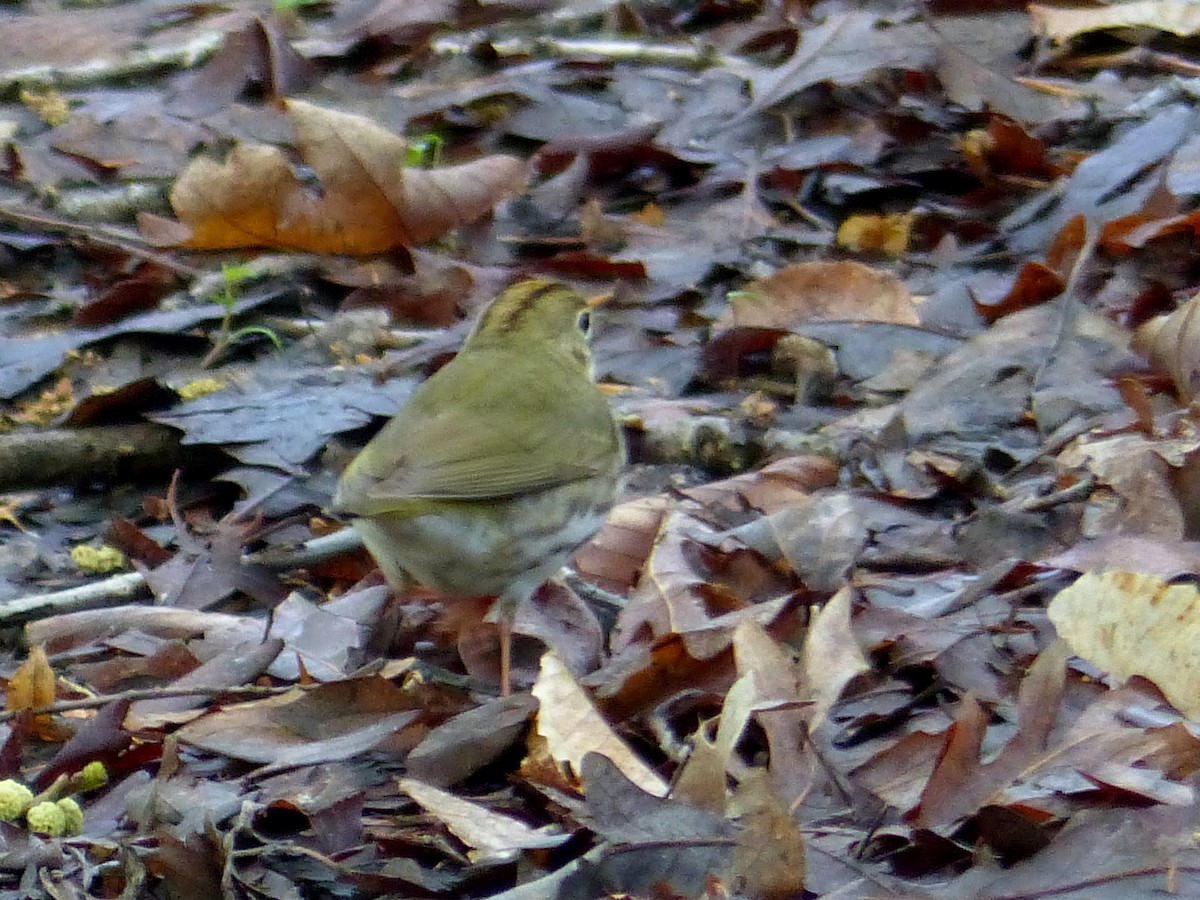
{"x": 505, "y": 657}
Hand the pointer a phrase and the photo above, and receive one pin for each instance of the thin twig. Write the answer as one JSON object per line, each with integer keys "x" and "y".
{"x": 165, "y": 693}
{"x": 20, "y": 610}
{"x": 98, "y": 234}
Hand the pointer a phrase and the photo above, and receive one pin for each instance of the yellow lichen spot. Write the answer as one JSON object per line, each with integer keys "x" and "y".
{"x": 97, "y": 560}
{"x": 15, "y": 798}
{"x": 51, "y": 404}
{"x": 975, "y": 146}
{"x": 46, "y": 818}
{"x": 651, "y": 214}
{"x": 91, "y": 776}
{"x": 201, "y": 387}
{"x": 50, "y": 106}
{"x": 72, "y": 815}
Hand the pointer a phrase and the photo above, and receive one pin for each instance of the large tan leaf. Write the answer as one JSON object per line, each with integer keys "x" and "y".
{"x": 331, "y": 722}
{"x": 1129, "y": 624}
{"x": 1181, "y": 17}
{"x": 823, "y": 291}
{"x": 366, "y": 201}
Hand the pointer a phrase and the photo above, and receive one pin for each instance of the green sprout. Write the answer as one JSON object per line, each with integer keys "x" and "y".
{"x": 424, "y": 152}
{"x": 227, "y": 335}
{"x": 283, "y": 6}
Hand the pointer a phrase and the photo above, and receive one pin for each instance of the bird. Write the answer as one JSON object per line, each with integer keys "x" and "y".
{"x": 499, "y": 467}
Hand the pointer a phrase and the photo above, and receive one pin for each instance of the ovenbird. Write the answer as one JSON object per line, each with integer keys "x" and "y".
{"x": 498, "y": 467}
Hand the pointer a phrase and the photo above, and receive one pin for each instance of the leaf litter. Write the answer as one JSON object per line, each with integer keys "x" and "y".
{"x": 896, "y": 311}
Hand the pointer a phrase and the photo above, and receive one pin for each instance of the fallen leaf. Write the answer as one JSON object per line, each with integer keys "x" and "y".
{"x": 493, "y": 836}
{"x": 470, "y": 740}
{"x": 1172, "y": 345}
{"x": 1127, "y": 624}
{"x": 367, "y": 202}
{"x": 572, "y": 727}
{"x": 331, "y": 722}
{"x": 822, "y": 291}
{"x": 961, "y": 782}
{"x": 831, "y": 655}
{"x": 31, "y": 686}
{"x": 1180, "y": 17}
{"x": 768, "y": 859}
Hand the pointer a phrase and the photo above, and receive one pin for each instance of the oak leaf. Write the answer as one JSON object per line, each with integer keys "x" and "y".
{"x": 365, "y": 200}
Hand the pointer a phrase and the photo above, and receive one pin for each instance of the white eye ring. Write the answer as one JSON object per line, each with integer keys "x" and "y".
{"x": 584, "y": 321}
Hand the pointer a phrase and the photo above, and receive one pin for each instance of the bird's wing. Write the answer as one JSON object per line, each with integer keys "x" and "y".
{"x": 541, "y": 430}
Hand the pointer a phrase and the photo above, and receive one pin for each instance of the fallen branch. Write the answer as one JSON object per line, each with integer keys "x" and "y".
{"x": 138, "y": 453}
{"x": 127, "y": 585}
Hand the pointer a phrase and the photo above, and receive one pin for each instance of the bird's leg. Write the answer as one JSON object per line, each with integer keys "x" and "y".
{"x": 506, "y": 629}
{"x": 504, "y": 614}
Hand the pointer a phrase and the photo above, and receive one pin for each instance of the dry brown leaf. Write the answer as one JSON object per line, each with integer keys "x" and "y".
{"x": 768, "y": 859}
{"x": 1135, "y": 494}
{"x": 572, "y": 727}
{"x": 219, "y": 630}
{"x": 773, "y": 487}
{"x": 367, "y": 202}
{"x": 614, "y": 558}
{"x": 1167, "y": 558}
{"x": 31, "y": 686}
{"x": 771, "y": 690}
{"x": 702, "y": 779}
{"x": 822, "y": 291}
{"x": 1172, "y": 345}
{"x": 331, "y": 722}
{"x": 898, "y": 773}
{"x": 1127, "y": 624}
{"x": 961, "y": 783}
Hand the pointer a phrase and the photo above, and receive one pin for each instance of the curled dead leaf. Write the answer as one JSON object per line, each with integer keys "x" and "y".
{"x": 31, "y": 686}
{"x": 367, "y": 201}
{"x": 1171, "y": 344}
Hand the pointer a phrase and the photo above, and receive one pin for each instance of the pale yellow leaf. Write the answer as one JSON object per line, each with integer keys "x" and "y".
{"x": 1127, "y": 624}
{"x": 831, "y": 654}
{"x": 1181, "y": 17}
{"x": 492, "y": 835}
{"x": 572, "y": 727}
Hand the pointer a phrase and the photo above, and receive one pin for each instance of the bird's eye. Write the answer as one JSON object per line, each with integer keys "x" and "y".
{"x": 584, "y": 322}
